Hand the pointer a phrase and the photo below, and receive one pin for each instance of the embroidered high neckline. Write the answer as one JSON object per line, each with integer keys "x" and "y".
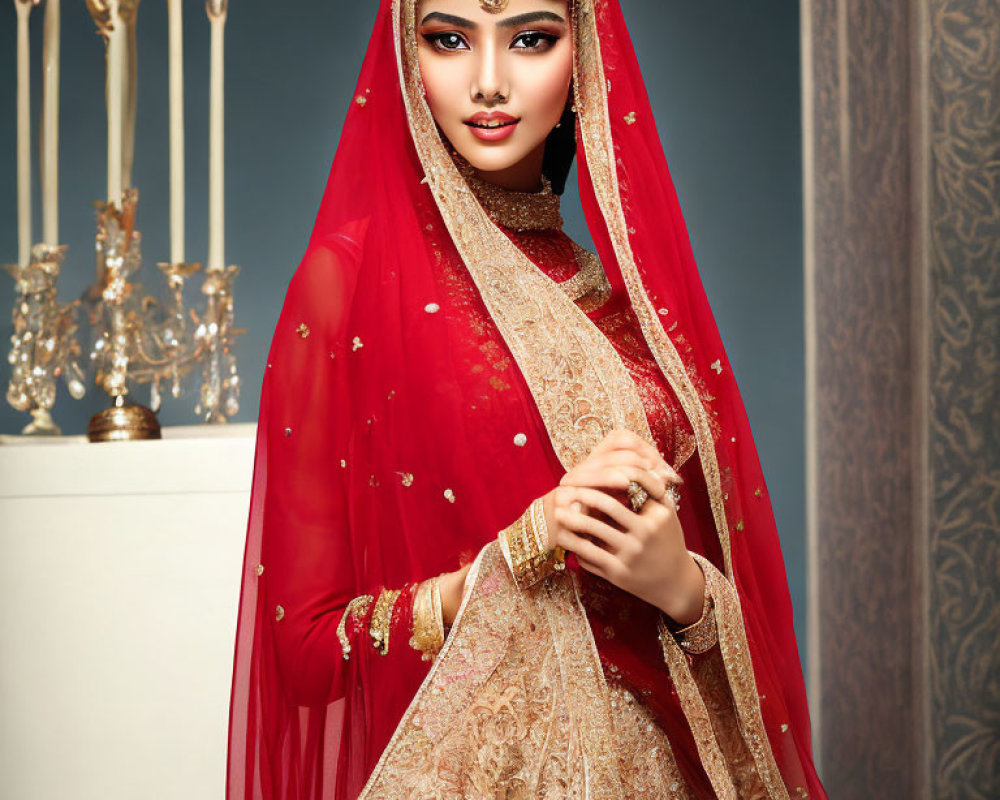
{"x": 519, "y": 211}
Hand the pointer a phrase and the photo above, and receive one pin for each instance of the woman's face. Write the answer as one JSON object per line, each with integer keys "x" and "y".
{"x": 497, "y": 83}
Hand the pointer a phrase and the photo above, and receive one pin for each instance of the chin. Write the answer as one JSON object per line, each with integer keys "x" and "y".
{"x": 491, "y": 161}
{"x": 492, "y": 157}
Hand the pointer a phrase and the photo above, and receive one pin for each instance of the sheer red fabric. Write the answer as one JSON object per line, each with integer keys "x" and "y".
{"x": 397, "y": 436}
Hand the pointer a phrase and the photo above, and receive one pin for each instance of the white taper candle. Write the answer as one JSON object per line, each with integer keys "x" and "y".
{"x": 116, "y": 102}
{"x": 176, "y": 39}
{"x": 216, "y": 153}
{"x": 23, "y": 133}
{"x": 50, "y": 124}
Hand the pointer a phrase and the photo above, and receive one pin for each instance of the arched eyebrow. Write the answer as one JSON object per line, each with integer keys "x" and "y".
{"x": 527, "y": 19}
{"x": 510, "y": 22}
{"x": 449, "y": 19}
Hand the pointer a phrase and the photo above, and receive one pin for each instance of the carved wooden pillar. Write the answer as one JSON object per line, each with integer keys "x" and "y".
{"x": 901, "y": 104}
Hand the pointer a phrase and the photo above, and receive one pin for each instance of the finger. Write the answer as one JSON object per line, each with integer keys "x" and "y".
{"x": 611, "y": 458}
{"x": 619, "y": 439}
{"x": 588, "y": 551}
{"x": 591, "y": 567}
{"x": 667, "y": 473}
{"x": 618, "y": 512}
{"x": 656, "y": 513}
{"x": 620, "y": 478}
{"x": 621, "y": 457}
{"x": 622, "y": 439}
{"x": 577, "y": 523}
{"x": 673, "y": 476}
{"x": 565, "y": 497}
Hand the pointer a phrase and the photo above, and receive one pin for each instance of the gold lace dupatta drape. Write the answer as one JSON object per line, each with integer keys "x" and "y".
{"x": 518, "y": 693}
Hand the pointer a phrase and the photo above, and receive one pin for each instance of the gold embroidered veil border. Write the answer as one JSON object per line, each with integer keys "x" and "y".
{"x": 592, "y": 105}
{"x": 581, "y": 388}
{"x": 522, "y": 665}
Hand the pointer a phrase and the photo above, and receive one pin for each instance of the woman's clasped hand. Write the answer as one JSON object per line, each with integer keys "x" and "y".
{"x": 643, "y": 552}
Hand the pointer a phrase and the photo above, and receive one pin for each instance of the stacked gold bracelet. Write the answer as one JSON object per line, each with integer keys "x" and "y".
{"x": 525, "y": 547}
{"x": 428, "y": 620}
{"x": 557, "y": 554}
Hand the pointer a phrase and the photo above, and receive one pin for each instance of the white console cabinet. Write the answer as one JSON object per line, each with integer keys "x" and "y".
{"x": 119, "y": 582}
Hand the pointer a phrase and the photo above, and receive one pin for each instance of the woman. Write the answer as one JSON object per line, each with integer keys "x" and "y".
{"x": 508, "y": 534}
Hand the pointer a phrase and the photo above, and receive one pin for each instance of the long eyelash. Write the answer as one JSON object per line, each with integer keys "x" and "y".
{"x": 548, "y": 38}
{"x": 435, "y": 38}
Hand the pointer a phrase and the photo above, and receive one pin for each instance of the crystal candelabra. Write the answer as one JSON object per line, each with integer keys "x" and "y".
{"x": 140, "y": 339}
{"x": 43, "y": 344}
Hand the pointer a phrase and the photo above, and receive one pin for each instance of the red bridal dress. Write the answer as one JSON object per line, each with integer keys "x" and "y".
{"x": 443, "y": 355}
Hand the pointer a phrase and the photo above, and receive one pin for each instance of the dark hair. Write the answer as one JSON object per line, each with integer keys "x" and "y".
{"x": 560, "y": 150}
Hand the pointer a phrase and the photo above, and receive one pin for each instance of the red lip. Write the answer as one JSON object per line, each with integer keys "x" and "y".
{"x": 489, "y": 116}
{"x": 493, "y": 134}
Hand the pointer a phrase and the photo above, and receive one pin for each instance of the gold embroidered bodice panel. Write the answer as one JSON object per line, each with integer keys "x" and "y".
{"x": 533, "y": 221}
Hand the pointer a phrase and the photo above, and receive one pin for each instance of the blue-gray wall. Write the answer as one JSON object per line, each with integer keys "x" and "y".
{"x": 724, "y": 81}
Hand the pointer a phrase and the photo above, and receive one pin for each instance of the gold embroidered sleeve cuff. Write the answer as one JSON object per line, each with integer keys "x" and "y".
{"x": 428, "y": 620}
{"x": 701, "y": 636}
{"x": 524, "y": 545}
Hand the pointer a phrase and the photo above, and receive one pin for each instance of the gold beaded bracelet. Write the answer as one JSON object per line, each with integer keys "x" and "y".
{"x": 358, "y": 607}
{"x": 382, "y": 620}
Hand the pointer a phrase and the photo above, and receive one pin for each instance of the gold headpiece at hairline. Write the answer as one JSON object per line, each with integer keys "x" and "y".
{"x": 496, "y": 6}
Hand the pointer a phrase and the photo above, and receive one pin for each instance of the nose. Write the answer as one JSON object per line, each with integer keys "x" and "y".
{"x": 489, "y": 83}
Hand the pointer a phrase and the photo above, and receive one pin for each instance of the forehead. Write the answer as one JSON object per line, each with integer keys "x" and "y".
{"x": 475, "y": 10}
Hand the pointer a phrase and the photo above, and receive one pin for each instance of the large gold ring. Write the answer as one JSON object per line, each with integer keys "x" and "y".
{"x": 637, "y": 496}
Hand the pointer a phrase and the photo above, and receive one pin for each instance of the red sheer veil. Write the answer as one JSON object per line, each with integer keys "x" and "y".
{"x": 415, "y": 346}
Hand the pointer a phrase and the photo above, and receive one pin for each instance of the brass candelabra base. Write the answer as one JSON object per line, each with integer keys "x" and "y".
{"x": 41, "y": 424}
{"x": 123, "y": 422}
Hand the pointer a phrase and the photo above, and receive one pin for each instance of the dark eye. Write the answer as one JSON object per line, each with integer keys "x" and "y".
{"x": 534, "y": 40}
{"x": 446, "y": 41}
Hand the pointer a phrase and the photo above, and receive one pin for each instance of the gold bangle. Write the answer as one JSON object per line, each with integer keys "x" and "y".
{"x": 542, "y": 536}
{"x": 358, "y": 607}
{"x": 428, "y": 619}
{"x": 541, "y": 545}
{"x": 382, "y": 620}
{"x": 517, "y": 544}
{"x": 530, "y": 560}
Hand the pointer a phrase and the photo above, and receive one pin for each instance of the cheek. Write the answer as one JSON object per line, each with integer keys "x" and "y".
{"x": 446, "y": 86}
{"x": 545, "y": 92}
